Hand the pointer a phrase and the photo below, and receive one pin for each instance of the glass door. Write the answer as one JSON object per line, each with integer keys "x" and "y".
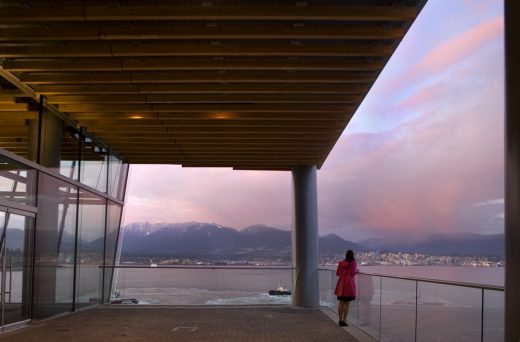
{"x": 16, "y": 228}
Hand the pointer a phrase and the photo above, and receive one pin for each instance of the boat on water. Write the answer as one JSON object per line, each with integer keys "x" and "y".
{"x": 117, "y": 299}
{"x": 281, "y": 290}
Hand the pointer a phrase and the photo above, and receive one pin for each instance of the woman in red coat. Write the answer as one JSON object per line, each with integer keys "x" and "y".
{"x": 346, "y": 286}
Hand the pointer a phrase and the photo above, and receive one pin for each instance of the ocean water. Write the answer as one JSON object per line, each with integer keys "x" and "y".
{"x": 202, "y": 286}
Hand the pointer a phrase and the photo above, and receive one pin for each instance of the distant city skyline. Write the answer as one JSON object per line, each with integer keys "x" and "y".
{"x": 423, "y": 153}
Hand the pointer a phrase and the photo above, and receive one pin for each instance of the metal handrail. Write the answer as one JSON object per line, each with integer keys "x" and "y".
{"x": 203, "y": 267}
{"x": 434, "y": 281}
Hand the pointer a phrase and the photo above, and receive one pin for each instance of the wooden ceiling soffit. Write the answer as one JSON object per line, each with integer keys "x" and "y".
{"x": 250, "y": 86}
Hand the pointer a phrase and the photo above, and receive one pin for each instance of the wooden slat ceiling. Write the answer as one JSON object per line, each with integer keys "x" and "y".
{"x": 263, "y": 85}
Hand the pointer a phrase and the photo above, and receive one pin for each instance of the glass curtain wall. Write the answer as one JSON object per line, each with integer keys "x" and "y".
{"x": 90, "y": 248}
{"x": 55, "y": 247}
{"x": 16, "y": 260}
{"x": 79, "y": 186}
{"x": 17, "y": 182}
{"x": 94, "y": 164}
{"x": 112, "y": 235}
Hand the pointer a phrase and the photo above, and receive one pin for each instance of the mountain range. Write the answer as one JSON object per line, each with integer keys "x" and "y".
{"x": 196, "y": 238}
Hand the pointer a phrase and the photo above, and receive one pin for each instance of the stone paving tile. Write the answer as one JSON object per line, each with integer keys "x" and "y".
{"x": 216, "y": 324}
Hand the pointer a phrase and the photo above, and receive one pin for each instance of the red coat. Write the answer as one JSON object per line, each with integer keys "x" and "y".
{"x": 346, "y": 285}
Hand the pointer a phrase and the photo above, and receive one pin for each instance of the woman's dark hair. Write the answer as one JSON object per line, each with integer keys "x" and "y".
{"x": 349, "y": 256}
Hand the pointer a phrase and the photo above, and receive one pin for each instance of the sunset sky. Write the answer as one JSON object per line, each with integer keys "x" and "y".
{"x": 423, "y": 153}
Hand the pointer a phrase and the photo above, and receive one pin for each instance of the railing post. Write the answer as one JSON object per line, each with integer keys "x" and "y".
{"x": 332, "y": 288}
{"x": 380, "y": 303}
{"x": 416, "y": 304}
{"x": 358, "y": 306}
{"x": 482, "y": 318}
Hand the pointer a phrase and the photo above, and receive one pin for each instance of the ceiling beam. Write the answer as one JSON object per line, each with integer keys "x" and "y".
{"x": 201, "y": 48}
{"x": 204, "y": 88}
{"x": 215, "y": 124}
{"x": 206, "y": 11}
{"x": 201, "y": 30}
{"x": 199, "y": 77}
{"x": 216, "y": 108}
{"x": 193, "y": 63}
{"x": 221, "y": 130}
{"x": 204, "y": 98}
{"x": 115, "y": 118}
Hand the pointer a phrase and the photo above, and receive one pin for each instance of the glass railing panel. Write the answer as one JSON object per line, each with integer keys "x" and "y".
{"x": 369, "y": 301}
{"x": 494, "y": 306}
{"x": 397, "y": 310}
{"x": 200, "y": 285}
{"x": 327, "y": 285}
{"x": 448, "y": 312}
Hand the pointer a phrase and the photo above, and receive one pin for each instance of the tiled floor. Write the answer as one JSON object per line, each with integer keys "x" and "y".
{"x": 185, "y": 324}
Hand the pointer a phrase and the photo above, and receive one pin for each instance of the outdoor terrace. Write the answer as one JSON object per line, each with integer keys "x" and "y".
{"x": 253, "y": 323}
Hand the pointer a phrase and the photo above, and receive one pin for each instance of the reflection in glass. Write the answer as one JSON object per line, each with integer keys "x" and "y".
{"x": 94, "y": 165}
{"x": 55, "y": 243}
{"x": 448, "y": 313}
{"x": 114, "y": 175}
{"x": 17, "y": 182}
{"x": 113, "y": 220}
{"x": 18, "y": 133}
{"x": 16, "y": 267}
{"x": 69, "y": 158}
{"x": 91, "y": 241}
{"x": 369, "y": 298}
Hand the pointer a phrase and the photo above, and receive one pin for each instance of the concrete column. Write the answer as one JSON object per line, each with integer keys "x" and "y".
{"x": 305, "y": 238}
{"x": 512, "y": 186}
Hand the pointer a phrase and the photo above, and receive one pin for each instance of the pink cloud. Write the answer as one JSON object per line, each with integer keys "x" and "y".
{"x": 461, "y": 46}
{"x": 417, "y": 177}
{"x": 445, "y": 55}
